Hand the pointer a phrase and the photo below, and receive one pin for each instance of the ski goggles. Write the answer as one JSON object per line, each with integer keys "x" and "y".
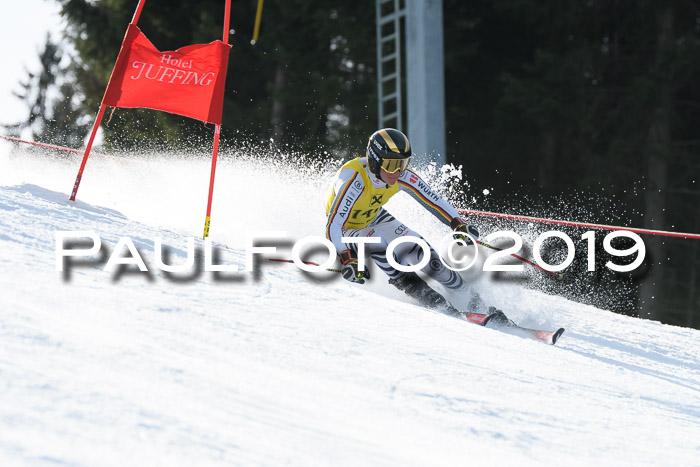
{"x": 392, "y": 165}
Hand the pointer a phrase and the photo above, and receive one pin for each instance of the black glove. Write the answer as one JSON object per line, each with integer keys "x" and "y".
{"x": 350, "y": 271}
{"x": 461, "y": 230}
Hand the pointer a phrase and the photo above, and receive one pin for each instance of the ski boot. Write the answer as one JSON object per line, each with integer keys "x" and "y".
{"x": 497, "y": 317}
{"x": 415, "y": 287}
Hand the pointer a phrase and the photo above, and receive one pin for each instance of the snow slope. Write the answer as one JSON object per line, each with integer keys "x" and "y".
{"x": 279, "y": 368}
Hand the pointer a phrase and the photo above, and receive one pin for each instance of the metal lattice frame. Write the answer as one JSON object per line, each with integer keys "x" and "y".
{"x": 417, "y": 26}
{"x": 389, "y": 66}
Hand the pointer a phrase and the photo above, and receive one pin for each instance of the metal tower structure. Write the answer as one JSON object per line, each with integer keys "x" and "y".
{"x": 390, "y": 14}
{"x": 418, "y": 25}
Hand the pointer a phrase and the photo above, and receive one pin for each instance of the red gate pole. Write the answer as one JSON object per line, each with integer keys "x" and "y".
{"x": 100, "y": 114}
{"x": 217, "y": 134}
{"x": 207, "y": 220}
{"x": 98, "y": 120}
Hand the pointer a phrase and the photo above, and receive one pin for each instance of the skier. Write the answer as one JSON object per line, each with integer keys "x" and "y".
{"x": 355, "y": 209}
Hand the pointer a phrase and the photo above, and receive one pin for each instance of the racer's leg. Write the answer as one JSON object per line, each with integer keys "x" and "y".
{"x": 409, "y": 253}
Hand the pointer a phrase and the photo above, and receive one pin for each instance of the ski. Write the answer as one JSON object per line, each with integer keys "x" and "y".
{"x": 477, "y": 318}
{"x": 499, "y": 320}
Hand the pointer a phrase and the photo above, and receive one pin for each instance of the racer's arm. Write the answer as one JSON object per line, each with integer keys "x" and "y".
{"x": 421, "y": 192}
{"x": 348, "y": 187}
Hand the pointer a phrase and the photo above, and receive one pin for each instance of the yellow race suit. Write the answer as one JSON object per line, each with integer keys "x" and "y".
{"x": 358, "y": 196}
{"x": 355, "y": 208}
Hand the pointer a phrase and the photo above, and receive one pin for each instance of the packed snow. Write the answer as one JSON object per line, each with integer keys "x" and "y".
{"x": 282, "y": 367}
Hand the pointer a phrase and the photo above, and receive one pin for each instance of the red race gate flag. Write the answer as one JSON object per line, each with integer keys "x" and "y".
{"x": 188, "y": 81}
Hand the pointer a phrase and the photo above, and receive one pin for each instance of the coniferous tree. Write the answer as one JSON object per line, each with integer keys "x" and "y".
{"x": 53, "y": 101}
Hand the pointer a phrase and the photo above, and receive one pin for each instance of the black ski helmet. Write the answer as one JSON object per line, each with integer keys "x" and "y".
{"x": 388, "y": 147}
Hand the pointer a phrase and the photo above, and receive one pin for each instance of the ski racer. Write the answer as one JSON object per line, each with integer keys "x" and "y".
{"x": 355, "y": 208}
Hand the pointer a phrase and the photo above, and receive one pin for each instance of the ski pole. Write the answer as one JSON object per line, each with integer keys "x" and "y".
{"x": 557, "y": 275}
{"x": 311, "y": 263}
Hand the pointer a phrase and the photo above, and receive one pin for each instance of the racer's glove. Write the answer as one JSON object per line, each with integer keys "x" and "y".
{"x": 350, "y": 271}
{"x": 461, "y": 230}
